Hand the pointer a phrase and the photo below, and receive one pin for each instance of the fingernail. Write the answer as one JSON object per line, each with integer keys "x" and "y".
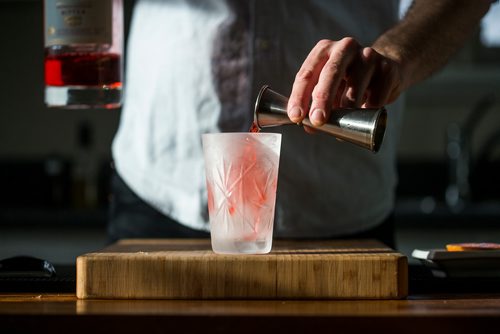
{"x": 295, "y": 112}
{"x": 318, "y": 116}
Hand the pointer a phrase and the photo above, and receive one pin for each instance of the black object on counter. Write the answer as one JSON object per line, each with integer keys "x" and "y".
{"x": 30, "y": 274}
{"x": 26, "y": 266}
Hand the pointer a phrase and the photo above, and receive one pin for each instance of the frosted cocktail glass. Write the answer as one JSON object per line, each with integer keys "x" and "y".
{"x": 242, "y": 176}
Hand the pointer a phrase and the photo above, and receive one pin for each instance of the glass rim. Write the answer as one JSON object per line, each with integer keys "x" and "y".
{"x": 241, "y": 134}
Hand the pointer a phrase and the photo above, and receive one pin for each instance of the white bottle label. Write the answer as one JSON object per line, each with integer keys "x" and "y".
{"x": 78, "y": 22}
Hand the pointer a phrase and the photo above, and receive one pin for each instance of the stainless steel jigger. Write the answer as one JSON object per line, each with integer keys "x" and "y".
{"x": 364, "y": 127}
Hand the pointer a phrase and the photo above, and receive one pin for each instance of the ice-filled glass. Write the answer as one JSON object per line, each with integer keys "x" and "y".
{"x": 242, "y": 176}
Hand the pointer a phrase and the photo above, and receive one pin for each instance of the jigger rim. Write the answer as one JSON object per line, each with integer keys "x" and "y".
{"x": 257, "y": 104}
{"x": 380, "y": 126}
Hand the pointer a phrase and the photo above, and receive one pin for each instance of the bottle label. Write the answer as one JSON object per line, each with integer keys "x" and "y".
{"x": 78, "y": 22}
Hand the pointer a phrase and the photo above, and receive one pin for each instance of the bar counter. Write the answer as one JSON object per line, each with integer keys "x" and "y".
{"x": 433, "y": 313}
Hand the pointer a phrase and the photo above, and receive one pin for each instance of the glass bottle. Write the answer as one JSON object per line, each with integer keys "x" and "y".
{"x": 83, "y": 53}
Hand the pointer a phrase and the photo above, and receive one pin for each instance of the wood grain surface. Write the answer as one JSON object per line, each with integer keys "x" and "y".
{"x": 429, "y": 314}
{"x": 450, "y": 305}
{"x": 188, "y": 269}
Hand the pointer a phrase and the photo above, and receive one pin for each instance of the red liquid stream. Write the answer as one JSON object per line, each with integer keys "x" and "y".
{"x": 83, "y": 69}
{"x": 254, "y": 128}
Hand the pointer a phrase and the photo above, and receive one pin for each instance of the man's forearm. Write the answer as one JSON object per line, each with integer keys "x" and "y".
{"x": 431, "y": 32}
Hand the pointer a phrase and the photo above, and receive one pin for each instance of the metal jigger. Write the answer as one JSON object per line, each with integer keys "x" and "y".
{"x": 364, "y": 127}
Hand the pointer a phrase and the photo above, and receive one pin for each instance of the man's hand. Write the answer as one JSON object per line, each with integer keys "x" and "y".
{"x": 342, "y": 74}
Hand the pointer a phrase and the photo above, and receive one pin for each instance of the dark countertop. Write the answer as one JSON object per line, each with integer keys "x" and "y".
{"x": 435, "y": 313}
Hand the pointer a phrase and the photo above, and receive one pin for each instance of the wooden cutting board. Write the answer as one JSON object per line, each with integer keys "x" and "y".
{"x": 188, "y": 269}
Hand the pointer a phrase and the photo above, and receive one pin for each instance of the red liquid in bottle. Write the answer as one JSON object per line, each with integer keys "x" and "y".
{"x": 83, "y": 69}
